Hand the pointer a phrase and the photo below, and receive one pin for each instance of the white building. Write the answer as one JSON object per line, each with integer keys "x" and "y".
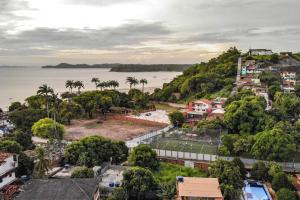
{"x": 260, "y": 52}
{"x": 8, "y": 165}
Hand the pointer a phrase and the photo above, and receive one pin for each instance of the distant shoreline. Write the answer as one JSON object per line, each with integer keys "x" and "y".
{"x": 115, "y": 67}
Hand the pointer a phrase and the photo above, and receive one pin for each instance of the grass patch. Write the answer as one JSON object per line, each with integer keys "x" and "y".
{"x": 184, "y": 146}
{"x": 166, "y": 107}
{"x": 167, "y": 172}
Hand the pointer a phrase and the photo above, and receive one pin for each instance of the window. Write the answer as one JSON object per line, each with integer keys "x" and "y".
{"x": 1, "y": 180}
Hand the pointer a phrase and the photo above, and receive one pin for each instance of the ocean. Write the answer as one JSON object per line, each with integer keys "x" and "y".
{"x": 17, "y": 83}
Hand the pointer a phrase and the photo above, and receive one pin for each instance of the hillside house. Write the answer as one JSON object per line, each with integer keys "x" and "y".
{"x": 289, "y": 79}
{"x": 198, "y": 188}
{"x": 260, "y": 52}
{"x": 8, "y": 165}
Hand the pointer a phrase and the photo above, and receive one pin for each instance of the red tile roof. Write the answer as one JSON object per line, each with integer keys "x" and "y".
{"x": 199, "y": 187}
{"x": 3, "y": 156}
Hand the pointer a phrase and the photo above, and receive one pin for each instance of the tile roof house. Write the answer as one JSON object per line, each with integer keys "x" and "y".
{"x": 8, "y": 165}
{"x": 198, "y": 188}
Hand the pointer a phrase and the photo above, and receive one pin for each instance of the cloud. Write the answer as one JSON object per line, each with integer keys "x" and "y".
{"x": 99, "y": 2}
{"x": 133, "y": 34}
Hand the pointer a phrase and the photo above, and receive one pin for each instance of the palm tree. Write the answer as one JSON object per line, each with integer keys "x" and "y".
{"x": 132, "y": 81}
{"x": 78, "y": 85}
{"x": 114, "y": 84}
{"x": 143, "y": 81}
{"x": 95, "y": 81}
{"x": 42, "y": 165}
{"x": 45, "y": 91}
{"x": 69, "y": 84}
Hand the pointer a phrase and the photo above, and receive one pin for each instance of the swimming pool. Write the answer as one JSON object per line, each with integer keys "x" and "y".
{"x": 256, "y": 191}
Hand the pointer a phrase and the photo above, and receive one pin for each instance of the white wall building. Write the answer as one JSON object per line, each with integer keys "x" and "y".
{"x": 260, "y": 52}
{"x": 8, "y": 165}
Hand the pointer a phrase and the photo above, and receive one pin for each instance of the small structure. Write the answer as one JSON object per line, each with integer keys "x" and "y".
{"x": 198, "y": 188}
{"x": 66, "y": 188}
{"x": 260, "y": 52}
{"x": 289, "y": 79}
{"x": 8, "y": 165}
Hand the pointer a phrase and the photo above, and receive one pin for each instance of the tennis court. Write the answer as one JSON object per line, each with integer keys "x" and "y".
{"x": 184, "y": 146}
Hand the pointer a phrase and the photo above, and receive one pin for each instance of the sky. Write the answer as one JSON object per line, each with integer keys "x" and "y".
{"x": 40, "y": 32}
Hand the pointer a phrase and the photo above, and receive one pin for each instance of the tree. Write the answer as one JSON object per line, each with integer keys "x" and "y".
{"x": 259, "y": 171}
{"x": 105, "y": 104}
{"x": 132, "y": 81}
{"x": 23, "y": 138}
{"x": 237, "y": 162}
{"x": 95, "y": 81}
{"x": 45, "y": 91}
{"x": 15, "y": 106}
{"x": 144, "y": 156}
{"x": 274, "y": 145}
{"x": 246, "y": 115}
{"x": 286, "y": 194}
{"x": 143, "y": 82}
{"x": 79, "y": 85}
{"x": 139, "y": 183}
{"x": 69, "y": 110}
{"x": 82, "y": 172}
{"x": 87, "y": 101}
{"x": 25, "y": 165}
{"x": 25, "y": 118}
{"x": 118, "y": 193}
{"x": 280, "y": 180}
{"x": 176, "y": 118}
{"x": 167, "y": 190}
{"x": 95, "y": 150}
{"x": 35, "y": 101}
{"x": 10, "y": 146}
{"x": 70, "y": 84}
{"x": 230, "y": 178}
{"x": 274, "y": 168}
{"x": 274, "y": 58}
{"x": 114, "y": 84}
{"x": 48, "y": 128}
{"x": 42, "y": 165}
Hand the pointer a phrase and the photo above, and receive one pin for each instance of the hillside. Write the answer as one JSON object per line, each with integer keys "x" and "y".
{"x": 215, "y": 77}
{"x": 116, "y": 67}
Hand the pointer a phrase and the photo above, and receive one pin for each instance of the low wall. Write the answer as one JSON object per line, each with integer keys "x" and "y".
{"x": 139, "y": 121}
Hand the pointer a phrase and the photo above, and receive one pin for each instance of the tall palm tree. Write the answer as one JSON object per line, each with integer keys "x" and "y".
{"x": 42, "y": 165}
{"x": 114, "y": 84}
{"x": 78, "y": 85}
{"x": 95, "y": 81}
{"x": 45, "y": 91}
{"x": 143, "y": 81}
{"x": 132, "y": 81}
{"x": 69, "y": 84}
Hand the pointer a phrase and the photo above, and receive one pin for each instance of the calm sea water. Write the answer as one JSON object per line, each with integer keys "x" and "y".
{"x": 17, "y": 83}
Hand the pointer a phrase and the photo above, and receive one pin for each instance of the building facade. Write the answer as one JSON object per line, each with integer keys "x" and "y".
{"x": 9, "y": 163}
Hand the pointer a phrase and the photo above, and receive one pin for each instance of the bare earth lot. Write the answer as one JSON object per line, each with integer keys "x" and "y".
{"x": 111, "y": 128}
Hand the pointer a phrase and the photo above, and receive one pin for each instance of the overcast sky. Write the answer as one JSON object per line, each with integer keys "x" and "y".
{"x": 39, "y": 32}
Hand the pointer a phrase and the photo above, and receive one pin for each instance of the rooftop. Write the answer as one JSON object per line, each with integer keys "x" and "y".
{"x": 206, "y": 101}
{"x": 199, "y": 187}
{"x": 56, "y": 189}
{"x": 4, "y": 156}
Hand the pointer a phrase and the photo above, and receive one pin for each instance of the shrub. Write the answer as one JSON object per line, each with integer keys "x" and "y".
{"x": 82, "y": 172}
{"x": 48, "y": 128}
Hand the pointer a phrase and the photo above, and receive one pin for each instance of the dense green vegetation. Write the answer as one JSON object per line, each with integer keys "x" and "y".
{"x": 126, "y": 67}
{"x": 203, "y": 80}
{"x": 167, "y": 172}
{"x": 48, "y": 128}
{"x": 144, "y": 156}
{"x": 82, "y": 172}
{"x": 95, "y": 150}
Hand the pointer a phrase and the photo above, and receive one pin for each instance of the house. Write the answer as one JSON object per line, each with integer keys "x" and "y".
{"x": 200, "y": 106}
{"x": 194, "y": 188}
{"x": 260, "y": 52}
{"x": 59, "y": 188}
{"x": 289, "y": 79}
{"x": 8, "y": 165}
